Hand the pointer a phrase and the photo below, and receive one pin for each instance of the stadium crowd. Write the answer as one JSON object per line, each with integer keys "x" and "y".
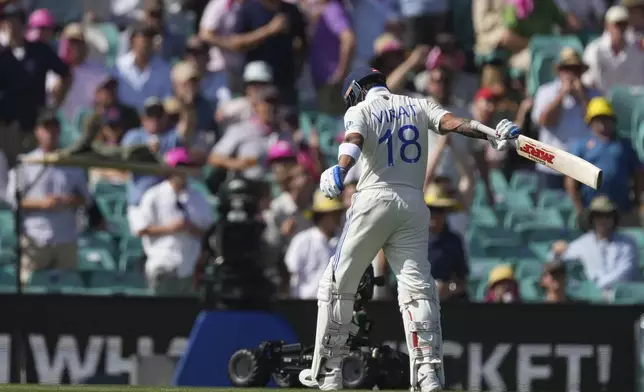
{"x": 252, "y": 88}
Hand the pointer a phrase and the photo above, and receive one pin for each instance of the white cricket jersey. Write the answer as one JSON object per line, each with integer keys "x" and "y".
{"x": 395, "y": 131}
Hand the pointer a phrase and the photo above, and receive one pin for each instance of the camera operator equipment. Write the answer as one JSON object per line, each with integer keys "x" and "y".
{"x": 233, "y": 273}
{"x": 366, "y": 366}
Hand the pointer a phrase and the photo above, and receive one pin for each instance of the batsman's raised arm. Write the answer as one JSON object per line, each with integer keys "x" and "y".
{"x": 505, "y": 130}
{"x": 451, "y": 123}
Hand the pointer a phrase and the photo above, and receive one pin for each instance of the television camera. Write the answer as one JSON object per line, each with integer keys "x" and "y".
{"x": 233, "y": 274}
{"x": 365, "y": 367}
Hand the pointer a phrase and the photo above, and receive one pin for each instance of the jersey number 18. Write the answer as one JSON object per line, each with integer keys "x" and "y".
{"x": 406, "y": 155}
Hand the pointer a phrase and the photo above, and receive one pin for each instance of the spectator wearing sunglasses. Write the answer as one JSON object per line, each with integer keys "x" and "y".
{"x": 559, "y": 108}
{"x": 168, "y": 44}
{"x": 612, "y": 59}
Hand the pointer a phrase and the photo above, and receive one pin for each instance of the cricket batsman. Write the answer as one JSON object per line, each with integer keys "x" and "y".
{"x": 388, "y": 132}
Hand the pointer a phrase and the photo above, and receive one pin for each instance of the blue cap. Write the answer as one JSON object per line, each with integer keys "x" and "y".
{"x": 359, "y": 74}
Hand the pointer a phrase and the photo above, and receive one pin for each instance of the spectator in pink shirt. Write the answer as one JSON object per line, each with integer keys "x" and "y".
{"x": 218, "y": 19}
{"x": 333, "y": 44}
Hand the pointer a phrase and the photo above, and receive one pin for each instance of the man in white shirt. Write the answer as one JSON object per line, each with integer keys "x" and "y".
{"x": 559, "y": 108}
{"x": 87, "y": 77}
{"x": 51, "y": 196}
{"x": 613, "y": 59}
{"x": 310, "y": 250}
{"x": 244, "y": 147}
{"x": 257, "y": 74}
{"x": 173, "y": 218}
{"x": 140, "y": 73}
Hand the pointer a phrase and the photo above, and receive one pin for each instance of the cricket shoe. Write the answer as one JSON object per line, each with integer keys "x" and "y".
{"x": 430, "y": 381}
{"x": 329, "y": 380}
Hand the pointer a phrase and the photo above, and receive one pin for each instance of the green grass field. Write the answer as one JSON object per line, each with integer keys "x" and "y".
{"x": 120, "y": 388}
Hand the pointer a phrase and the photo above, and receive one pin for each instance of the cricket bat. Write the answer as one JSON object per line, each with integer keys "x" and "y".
{"x": 554, "y": 158}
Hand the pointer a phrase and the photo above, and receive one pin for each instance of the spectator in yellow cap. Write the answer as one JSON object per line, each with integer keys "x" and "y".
{"x": 615, "y": 156}
{"x": 446, "y": 251}
{"x": 310, "y": 250}
{"x": 502, "y": 287}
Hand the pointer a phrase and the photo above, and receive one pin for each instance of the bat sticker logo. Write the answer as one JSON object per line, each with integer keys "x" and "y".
{"x": 538, "y": 153}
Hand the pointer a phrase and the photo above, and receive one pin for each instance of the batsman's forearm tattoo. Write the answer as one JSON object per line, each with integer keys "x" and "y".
{"x": 465, "y": 129}
{"x": 463, "y": 126}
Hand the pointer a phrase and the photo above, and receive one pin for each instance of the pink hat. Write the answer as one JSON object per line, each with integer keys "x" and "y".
{"x": 177, "y": 156}
{"x": 280, "y": 150}
{"x": 437, "y": 58}
{"x": 41, "y": 18}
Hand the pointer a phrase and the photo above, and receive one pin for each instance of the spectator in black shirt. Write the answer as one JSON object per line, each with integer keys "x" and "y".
{"x": 446, "y": 251}
{"x": 283, "y": 50}
{"x": 24, "y": 68}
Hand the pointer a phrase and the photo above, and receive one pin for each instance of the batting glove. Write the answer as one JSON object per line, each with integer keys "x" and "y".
{"x": 332, "y": 181}
{"x": 505, "y": 130}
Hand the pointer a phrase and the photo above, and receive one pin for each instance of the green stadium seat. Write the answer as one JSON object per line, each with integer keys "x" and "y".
{"x": 116, "y": 281}
{"x": 514, "y": 201}
{"x": 525, "y": 269}
{"x": 131, "y": 244}
{"x": 81, "y": 116}
{"x": 491, "y": 236}
{"x": 636, "y": 233}
{"x": 473, "y": 288}
{"x": 544, "y": 50}
{"x": 480, "y": 268}
{"x": 510, "y": 251}
{"x": 39, "y": 290}
{"x": 530, "y": 289}
{"x": 112, "y": 206}
{"x": 8, "y": 289}
{"x": 8, "y": 275}
{"x": 573, "y": 221}
{"x": 521, "y": 220}
{"x": 575, "y": 270}
{"x": 474, "y": 248}
{"x": 7, "y": 257}
{"x": 549, "y": 198}
{"x": 91, "y": 259}
{"x": 138, "y": 292}
{"x": 498, "y": 181}
{"x": 98, "y": 240}
{"x": 524, "y": 181}
{"x": 624, "y": 100}
{"x": 483, "y": 217}
{"x": 584, "y": 290}
{"x": 112, "y": 35}
{"x": 461, "y": 16}
{"x": 107, "y": 189}
{"x": 541, "y": 250}
{"x": 638, "y": 140}
{"x": 68, "y": 132}
{"x": 131, "y": 261}
{"x": 307, "y": 123}
{"x": 7, "y": 222}
{"x": 56, "y": 280}
{"x": 629, "y": 293}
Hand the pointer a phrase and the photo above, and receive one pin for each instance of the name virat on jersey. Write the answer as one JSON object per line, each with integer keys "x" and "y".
{"x": 406, "y": 111}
